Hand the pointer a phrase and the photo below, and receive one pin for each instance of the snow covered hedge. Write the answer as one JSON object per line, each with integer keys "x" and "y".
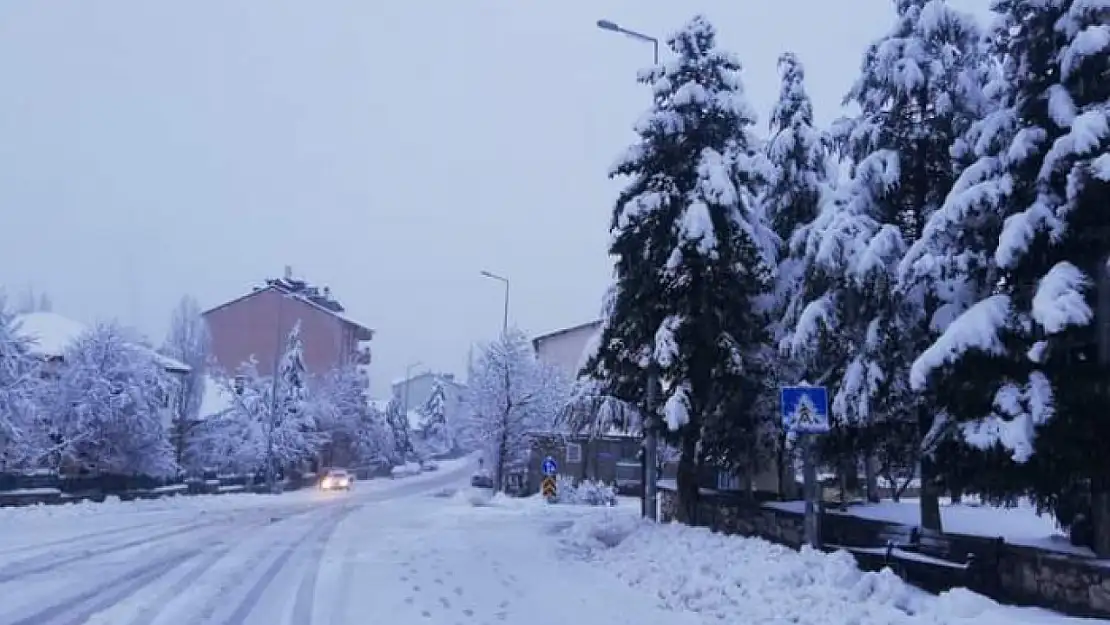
{"x": 584, "y": 493}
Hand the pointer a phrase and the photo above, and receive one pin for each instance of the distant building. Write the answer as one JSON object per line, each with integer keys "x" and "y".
{"x": 566, "y": 348}
{"x": 416, "y": 390}
{"x": 258, "y": 323}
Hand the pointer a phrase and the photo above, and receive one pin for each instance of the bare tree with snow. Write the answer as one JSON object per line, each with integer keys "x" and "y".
{"x": 107, "y": 406}
{"x": 187, "y": 341}
{"x": 512, "y": 396}
{"x": 21, "y": 392}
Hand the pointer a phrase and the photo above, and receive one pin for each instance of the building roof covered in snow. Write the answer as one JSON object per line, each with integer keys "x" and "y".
{"x": 308, "y": 294}
{"x": 217, "y": 398}
{"x": 52, "y": 334}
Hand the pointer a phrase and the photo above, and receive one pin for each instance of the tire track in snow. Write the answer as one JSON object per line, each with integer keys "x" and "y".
{"x": 147, "y": 615}
{"x": 37, "y": 564}
{"x": 32, "y": 566}
{"x": 317, "y": 536}
{"x": 74, "y": 539}
{"x": 76, "y": 610}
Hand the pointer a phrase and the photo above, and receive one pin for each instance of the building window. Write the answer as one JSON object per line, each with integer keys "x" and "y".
{"x": 574, "y": 453}
{"x": 727, "y": 481}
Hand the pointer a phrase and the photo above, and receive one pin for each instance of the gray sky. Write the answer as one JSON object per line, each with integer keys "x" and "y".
{"x": 391, "y": 150}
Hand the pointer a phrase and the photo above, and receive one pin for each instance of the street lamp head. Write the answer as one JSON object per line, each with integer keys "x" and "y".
{"x": 607, "y": 25}
{"x": 487, "y": 274}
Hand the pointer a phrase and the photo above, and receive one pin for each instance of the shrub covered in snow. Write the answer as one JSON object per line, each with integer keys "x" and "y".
{"x": 585, "y": 493}
{"x": 406, "y": 470}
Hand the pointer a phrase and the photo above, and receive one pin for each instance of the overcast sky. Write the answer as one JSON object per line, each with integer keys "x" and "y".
{"x": 390, "y": 150}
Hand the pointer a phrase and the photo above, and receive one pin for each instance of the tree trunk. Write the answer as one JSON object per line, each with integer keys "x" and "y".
{"x": 687, "y": 479}
{"x": 499, "y": 469}
{"x": 930, "y": 498}
{"x": 1100, "y": 516}
{"x": 872, "y": 476}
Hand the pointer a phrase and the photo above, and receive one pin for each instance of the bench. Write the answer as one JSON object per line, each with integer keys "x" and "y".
{"x": 933, "y": 560}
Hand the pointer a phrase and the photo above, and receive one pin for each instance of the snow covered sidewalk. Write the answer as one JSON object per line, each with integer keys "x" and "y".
{"x": 444, "y": 561}
{"x": 741, "y": 580}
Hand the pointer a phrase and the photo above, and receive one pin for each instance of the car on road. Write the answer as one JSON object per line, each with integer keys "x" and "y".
{"x": 336, "y": 479}
{"x": 481, "y": 479}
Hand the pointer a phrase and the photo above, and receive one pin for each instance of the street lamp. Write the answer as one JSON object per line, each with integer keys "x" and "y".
{"x": 613, "y": 27}
{"x": 505, "y": 281}
{"x": 650, "y": 457}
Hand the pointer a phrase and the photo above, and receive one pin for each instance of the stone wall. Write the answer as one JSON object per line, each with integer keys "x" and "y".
{"x": 1073, "y": 584}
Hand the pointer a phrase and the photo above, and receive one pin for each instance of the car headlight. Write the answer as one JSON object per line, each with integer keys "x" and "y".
{"x": 326, "y": 483}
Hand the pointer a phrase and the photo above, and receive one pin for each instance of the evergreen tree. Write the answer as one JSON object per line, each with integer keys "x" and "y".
{"x": 1020, "y": 247}
{"x": 400, "y": 431}
{"x": 433, "y": 420}
{"x": 294, "y": 433}
{"x": 799, "y": 155}
{"x": 918, "y": 91}
{"x": 693, "y": 254}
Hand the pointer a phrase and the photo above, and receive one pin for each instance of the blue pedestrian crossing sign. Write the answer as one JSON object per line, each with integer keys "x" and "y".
{"x": 549, "y": 466}
{"x": 805, "y": 409}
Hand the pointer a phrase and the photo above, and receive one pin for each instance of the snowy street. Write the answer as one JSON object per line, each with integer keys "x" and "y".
{"x": 237, "y": 559}
{"x": 428, "y": 550}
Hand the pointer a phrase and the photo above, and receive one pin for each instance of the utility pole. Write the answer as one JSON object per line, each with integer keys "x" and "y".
{"x": 651, "y": 442}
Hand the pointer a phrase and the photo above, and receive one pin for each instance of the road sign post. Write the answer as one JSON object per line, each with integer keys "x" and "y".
{"x": 548, "y": 488}
{"x": 805, "y": 412}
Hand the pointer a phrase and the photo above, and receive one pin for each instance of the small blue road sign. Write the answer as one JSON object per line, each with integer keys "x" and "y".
{"x": 549, "y": 466}
{"x": 805, "y": 409}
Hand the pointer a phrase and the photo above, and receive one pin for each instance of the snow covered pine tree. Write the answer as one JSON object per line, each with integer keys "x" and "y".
{"x": 434, "y": 433}
{"x": 295, "y": 437}
{"x": 693, "y": 252}
{"x": 799, "y": 157}
{"x": 1019, "y": 249}
{"x": 918, "y": 91}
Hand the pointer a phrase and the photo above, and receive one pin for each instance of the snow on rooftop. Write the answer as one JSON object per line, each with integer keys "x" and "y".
{"x": 217, "y": 398}
{"x": 52, "y": 334}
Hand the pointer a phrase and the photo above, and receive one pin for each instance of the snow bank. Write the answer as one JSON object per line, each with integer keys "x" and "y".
{"x": 744, "y": 580}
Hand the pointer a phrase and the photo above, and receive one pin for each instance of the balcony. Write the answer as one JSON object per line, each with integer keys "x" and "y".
{"x": 362, "y": 355}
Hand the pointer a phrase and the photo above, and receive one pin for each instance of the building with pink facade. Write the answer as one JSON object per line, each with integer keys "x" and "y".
{"x": 258, "y": 323}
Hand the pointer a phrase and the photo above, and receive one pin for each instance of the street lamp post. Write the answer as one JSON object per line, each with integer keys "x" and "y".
{"x": 505, "y": 281}
{"x": 613, "y": 27}
{"x": 651, "y": 443}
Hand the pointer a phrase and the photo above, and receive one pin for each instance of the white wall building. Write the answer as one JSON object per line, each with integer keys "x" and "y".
{"x": 417, "y": 389}
{"x": 566, "y": 348}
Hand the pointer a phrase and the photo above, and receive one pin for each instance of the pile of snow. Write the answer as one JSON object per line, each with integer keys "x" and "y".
{"x": 745, "y": 580}
{"x": 406, "y": 470}
{"x": 584, "y": 493}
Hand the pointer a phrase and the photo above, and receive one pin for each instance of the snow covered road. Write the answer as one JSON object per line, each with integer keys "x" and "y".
{"x": 221, "y": 560}
{"x": 428, "y": 550}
